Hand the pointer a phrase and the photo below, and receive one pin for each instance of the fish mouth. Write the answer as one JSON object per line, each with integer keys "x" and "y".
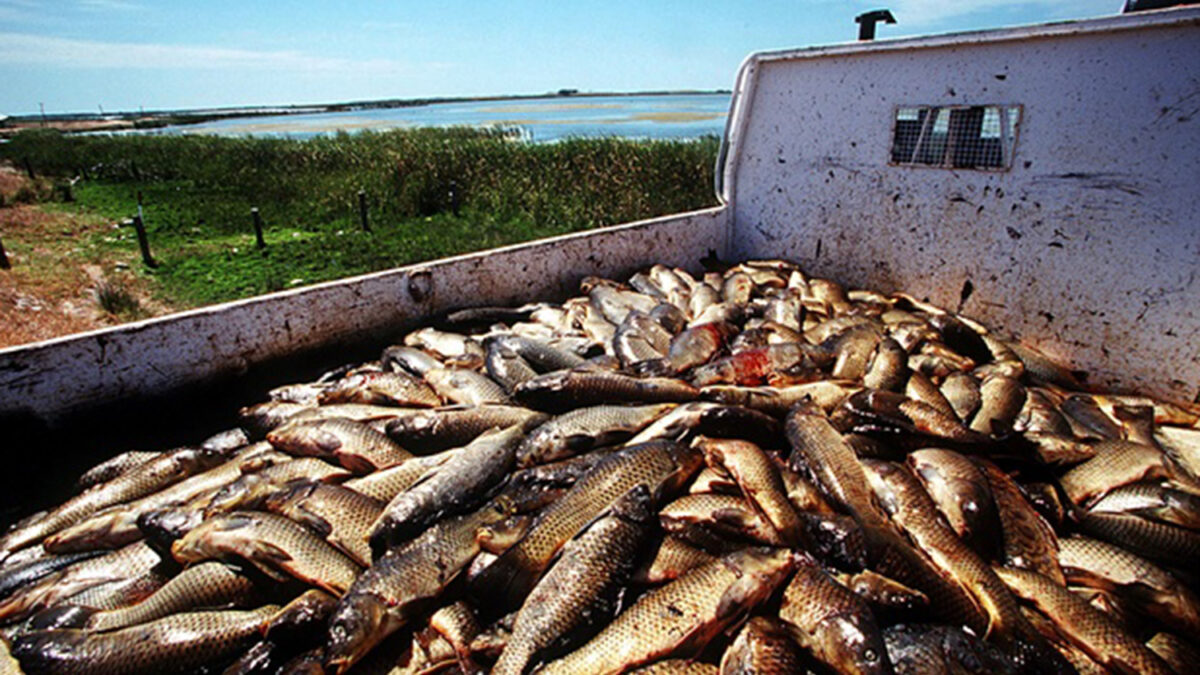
{"x": 357, "y": 626}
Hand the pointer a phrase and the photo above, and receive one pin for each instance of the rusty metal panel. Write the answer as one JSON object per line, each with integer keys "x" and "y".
{"x": 1089, "y": 247}
{"x": 53, "y": 378}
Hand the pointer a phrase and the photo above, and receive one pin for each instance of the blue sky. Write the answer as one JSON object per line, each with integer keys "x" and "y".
{"x": 77, "y": 55}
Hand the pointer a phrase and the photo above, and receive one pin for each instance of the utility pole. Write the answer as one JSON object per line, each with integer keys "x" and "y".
{"x": 42, "y": 107}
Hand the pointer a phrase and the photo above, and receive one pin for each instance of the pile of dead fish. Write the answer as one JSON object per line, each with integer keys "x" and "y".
{"x": 750, "y": 471}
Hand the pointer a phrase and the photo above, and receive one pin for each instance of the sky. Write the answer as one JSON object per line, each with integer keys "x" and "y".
{"x": 124, "y": 55}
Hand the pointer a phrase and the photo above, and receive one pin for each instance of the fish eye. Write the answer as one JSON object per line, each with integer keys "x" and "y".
{"x": 870, "y": 656}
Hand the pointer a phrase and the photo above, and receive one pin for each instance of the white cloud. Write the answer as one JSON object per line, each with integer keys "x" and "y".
{"x": 109, "y": 5}
{"x": 924, "y": 12}
{"x": 25, "y": 49}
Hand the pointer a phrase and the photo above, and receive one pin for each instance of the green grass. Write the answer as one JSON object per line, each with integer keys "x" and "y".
{"x": 198, "y": 191}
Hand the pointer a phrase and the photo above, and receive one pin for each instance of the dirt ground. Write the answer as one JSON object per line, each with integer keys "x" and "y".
{"x": 72, "y": 125}
{"x": 56, "y": 268}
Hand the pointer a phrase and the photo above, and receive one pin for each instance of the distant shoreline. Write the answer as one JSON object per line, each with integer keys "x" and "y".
{"x": 153, "y": 119}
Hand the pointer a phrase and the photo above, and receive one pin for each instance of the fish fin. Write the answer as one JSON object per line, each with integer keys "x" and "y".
{"x": 655, "y": 367}
{"x": 254, "y": 464}
{"x": 733, "y": 601}
{"x": 271, "y": 572}
{"x": 730, "y": 516}
{"x": 504, "y": 582}
{"x": 262, "y": 551}
{"x": 356, "y": 463}
{"x": 236, "y": 521}
{"x": 327, "y": 442}
{"x": 696, "y": 640}
{"x": 322, "y": 527}
{"x": 992, "y": 621}
{"x": 579, "y": 443}
{"x": 799, "y": 636}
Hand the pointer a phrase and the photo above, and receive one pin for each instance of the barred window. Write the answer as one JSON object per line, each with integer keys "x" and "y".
{"x": 955, "y": 137}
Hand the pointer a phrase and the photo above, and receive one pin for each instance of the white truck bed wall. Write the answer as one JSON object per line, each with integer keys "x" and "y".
{"x": 51, "y": 379}
{"x": 1089, "y": 247}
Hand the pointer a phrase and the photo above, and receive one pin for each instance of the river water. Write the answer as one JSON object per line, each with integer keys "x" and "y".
{"x": 540, "y": 120}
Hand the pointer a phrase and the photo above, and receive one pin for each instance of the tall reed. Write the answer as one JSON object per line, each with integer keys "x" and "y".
{"x": 574, "y": 184}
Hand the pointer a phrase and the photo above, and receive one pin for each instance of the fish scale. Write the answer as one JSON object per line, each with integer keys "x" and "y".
{"x": 564, "y": 390}
{"x": 763, "y": 647}
{"x": 466, "y": 387}
{"x": 279, "y": 547}
{"x": 1116, "y": 463}
{"x": 391, "y": 592}
{"x": 176, "y": 644}
{"x": 832, "y": 623}
{"x": 760, "y": 482}
{"x": 817, "y": 445}
{"x": 341, "y": 515}
{"x": 681, "y": 616}
{"x": 15, "y": 576}
{"x": 660, "y": 465}
{"x": 211, "y": 584}
{"x": 251, "y": 489}
{"x": 1088, "y": 628}
{"x": 132, "y": 560}
{"x": 580, "y": 430}
{"x": 1154, "y": 501}
{"x": 669, "y": 560}
{"x": 451, "y": 488}
{"x": 117, "y": 525}
{"x": 118, "y": 593}
{"x": 960, "y": 491}
{"x": 352, "y": 444}
{"x": 542, "y": 356}
{"x": 1163, "y": 542}
{"x": 582, "y": 585}
{"x": 457, "y": 624}
{"x": 387, "y": 483}
{"x": 730, "y": 515}
{"x": 925, "y": 648}
{"x": 913, "y": 509}
{"x": 505, "y": 365}
{"x": 142, "y": 480}
{"x": 1108, "y": 566}
{"x": 399, "y": 389}
{"x": 1028, "y": 540}
{"x": 109, "y": 469}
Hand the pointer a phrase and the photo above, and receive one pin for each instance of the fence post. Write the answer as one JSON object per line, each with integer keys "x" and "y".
{"x": 4, "y": 263}
{"x": 362, "y": 210}
{"x": 143, "y": 242}
{"x": 258, "y": 232}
